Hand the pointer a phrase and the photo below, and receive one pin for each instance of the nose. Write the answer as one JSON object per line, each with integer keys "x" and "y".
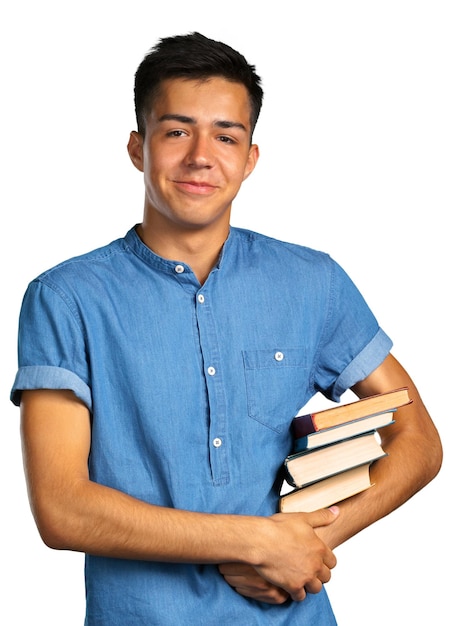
{"x": 200, "y": 153}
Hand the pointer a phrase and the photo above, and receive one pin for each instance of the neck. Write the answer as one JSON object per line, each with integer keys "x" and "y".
{"x": 198, "y": 249}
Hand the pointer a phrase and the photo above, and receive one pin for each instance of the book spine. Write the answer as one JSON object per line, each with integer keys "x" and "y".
{"x": 300, "y": 444}
{"x": 302, "y": 426}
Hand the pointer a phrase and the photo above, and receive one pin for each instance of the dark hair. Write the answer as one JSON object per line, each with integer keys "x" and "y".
{"x": 192, "y": 56}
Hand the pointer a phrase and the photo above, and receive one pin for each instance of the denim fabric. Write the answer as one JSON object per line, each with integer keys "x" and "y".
{"x": 192, "y": 390}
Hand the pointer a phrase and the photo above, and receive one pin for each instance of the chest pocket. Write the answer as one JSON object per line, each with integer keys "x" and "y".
{"x": 277, "y": 385}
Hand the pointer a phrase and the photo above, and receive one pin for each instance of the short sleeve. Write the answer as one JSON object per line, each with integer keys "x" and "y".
{"x": 352, "y": 344}
{"x": 51, "y": 345}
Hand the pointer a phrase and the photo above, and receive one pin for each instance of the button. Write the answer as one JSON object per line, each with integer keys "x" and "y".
{"x": 200, "y": 298}
{"x": 211, "y": 370}
{"x": 217, "y": 442}
{"x": 179, "y": 269}
{"x": 279, "y": 356}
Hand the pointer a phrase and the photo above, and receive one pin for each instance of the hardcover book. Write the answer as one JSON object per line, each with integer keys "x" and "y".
{"x": 303, "y": 425}
{"x": 327, "y": 492}
{"x": 344, "y": 431}
{"x": 309, "y": 466}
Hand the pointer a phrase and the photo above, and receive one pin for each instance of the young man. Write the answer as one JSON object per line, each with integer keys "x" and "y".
{"x": 159, "y": 374}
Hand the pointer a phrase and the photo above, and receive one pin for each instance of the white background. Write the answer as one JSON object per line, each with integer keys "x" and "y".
{"x": 363, "y": 138}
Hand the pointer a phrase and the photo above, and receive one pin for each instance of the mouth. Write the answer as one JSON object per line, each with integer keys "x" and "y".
{"x": 195, "y": 186}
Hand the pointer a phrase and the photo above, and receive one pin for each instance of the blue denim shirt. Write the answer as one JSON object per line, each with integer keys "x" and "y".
{"x": 192, "y": 389}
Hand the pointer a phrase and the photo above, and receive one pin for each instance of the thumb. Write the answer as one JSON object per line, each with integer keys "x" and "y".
{"x": 323, "y": 517}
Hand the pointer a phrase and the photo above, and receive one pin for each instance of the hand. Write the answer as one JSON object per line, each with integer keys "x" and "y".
{"x": 247, "y": 582}
{"x": 294, "y": 561}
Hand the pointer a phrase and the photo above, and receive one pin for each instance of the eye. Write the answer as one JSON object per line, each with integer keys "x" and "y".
{"x": 226, "y": 139}
{"x": 176, "y": 133}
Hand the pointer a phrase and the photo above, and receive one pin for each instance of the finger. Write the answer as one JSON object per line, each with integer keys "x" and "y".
{"x": 247, "y": 579}
{"x": 315, "y": 585}
{"x": 330, "y": 560}
{"x": 247, "y": 582}
{"x": 273, "y": 595}
{"x": 323, "y": 517}
{"x": 299, "y": 595}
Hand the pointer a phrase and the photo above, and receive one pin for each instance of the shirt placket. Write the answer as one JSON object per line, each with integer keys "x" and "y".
{"x": 214, "y": 380}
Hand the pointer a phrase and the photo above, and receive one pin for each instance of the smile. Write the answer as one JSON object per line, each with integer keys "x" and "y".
{"x": 195, "y": 187}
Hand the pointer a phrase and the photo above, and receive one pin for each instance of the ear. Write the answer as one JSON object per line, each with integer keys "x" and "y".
{"x": 253, "y": 156}
{"x": 135, "y": 150}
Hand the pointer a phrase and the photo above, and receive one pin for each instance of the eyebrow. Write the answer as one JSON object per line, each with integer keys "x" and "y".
{"x": 184, "y": 119}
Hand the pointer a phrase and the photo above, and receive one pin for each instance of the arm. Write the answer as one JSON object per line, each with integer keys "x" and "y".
{"x": 74, "y": 513}
{"x": 414, "y": 458}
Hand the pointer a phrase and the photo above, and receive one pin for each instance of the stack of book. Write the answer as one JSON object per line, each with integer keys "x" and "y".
{"x": 334, "y": 449}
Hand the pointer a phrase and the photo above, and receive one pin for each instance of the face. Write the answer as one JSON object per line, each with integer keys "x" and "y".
{"x": 195, "y": 154}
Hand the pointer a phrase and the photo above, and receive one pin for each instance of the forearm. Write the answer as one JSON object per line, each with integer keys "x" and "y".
{"x": 282, "y": 549}
{"x": 98, "y": 520}
{"x": 394, "y": 482}
{"x": 396, "y": 477}
{"x": 74, "y": 513}
{"x": 414, "y": 456}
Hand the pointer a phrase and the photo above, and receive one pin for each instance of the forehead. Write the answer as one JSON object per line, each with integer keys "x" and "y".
{"x": 211, "y": 96}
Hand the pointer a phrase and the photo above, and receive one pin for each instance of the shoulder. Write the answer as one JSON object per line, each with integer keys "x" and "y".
{"x": 85, "y": 266}
{"x": 300, "y": 267}
{"x": 93, "y": 257}
{"x": 271, "y": 247}
{"x": 83, "y": 277}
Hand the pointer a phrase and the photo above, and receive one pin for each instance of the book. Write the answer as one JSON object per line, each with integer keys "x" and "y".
{"x": 312, "y": 422}
{"x": 309, "y": 466}
{"x": 328, "y": 491}
{"x": 344, "y": 431}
